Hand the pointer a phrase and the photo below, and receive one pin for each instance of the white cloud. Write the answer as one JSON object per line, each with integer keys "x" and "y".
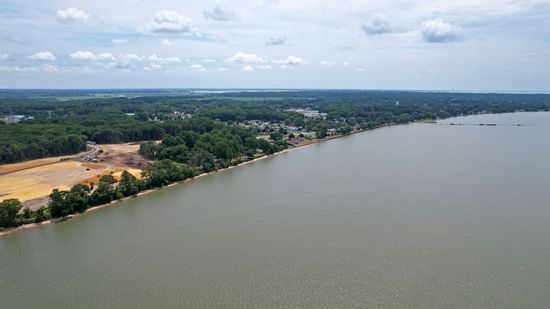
{"x": 71, "y": 15}
{"x": 160, "y": 60}
{"x": 220, "y": 12}
{"x": 89, "y": 56}
{"x": 274, "y": 41}
{"x": 165, "y": 42}
{"x": 360, "y": 70}
{"x": 377, "y": 24}
{"x": 172, "y": 60}
{"x": 49, "y": 68}
{"x": 290, "y": 60}
{"x": 206, "y": 60}
{"x": 119, "y": 41}
{"x": 152, "y": 66}
{"x": 327, "y": 63}
{"x": 247, "y": 68}
{"x": 17, "y": 69}
{"x": 166, "y": 21}
{"x": 438, "y": 31}
{"x": 133, "y": 57}
{"x": 105, "y": 56}
{"x": 197, "y": 67}
{"x": 83, "y": 55}
{"x": 265, "y": 67}
{"x": 241, "y": 57}
{"x": 222, "y": 69}
{"x": 4, "y": 56}
{"x": 345, "y": 63}
{"x": 43, "y": 56}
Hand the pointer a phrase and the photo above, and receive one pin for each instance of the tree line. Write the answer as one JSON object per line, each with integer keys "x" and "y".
{"x": 82, "y": 196}
{"x": 62, "y": 127}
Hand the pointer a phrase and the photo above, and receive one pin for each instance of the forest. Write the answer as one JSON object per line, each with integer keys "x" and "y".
{"x": 62, "y": 126}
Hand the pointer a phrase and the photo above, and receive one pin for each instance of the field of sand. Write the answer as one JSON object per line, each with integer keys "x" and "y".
{"x": 32, "y": 181}
{"x": 37, "y": 182}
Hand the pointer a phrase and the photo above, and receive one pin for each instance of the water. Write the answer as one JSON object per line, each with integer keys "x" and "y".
{"x": 414, "y": 216}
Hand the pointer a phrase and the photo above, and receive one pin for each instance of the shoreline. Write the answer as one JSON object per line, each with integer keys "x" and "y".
{"x": 314, "y": 142}
{"x": 58, "y": 220}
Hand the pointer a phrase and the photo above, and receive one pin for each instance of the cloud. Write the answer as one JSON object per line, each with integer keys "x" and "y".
{"x": 331, "y": 63}
{"x": 377, "y": 24}
{"x": 83, "y": 55}
{"x": 17, "y": 69}
{"x": 206, "y": 60}
{"x": 247, "y": 68}
{"x": 49, "y": 68}
{"x": 43, "y": 56}
{"x": 166, "y": 21}
{"x": 198, "y": 68}
{"x": 128, "y": 61}
{"x": 88, "y": 55}
{"x": 222, "y": 69}
{"x": 360, "y": 70}
{"x": 274, "y": 41}
{"x": 4, "y": 56}
{"x": 105, "y": 56}
{"x": 119, "y": 41}
{"x": 152, "y": 66}
{"x": 290, "y": 60}
{"x": 438, "y": 31}
{"x": 133, "y": 57}
{"x": 71, "y": 15}
{"x": 172, "y": 60}
{"x": 241, "y": 57}
{"x": 160, "y": 60}
{"x": 265, "y": 67}
{"x": 220, "y": 12}
{"x": 165, "y": 42}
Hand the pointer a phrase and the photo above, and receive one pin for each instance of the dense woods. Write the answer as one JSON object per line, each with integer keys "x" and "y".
{"x": 61, "y": 127}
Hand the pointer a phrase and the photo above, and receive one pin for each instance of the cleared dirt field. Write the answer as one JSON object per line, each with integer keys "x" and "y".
{"x": 122, "y": 155}
{"x": 36, "y": 182}
{"x": 32, "y": 181}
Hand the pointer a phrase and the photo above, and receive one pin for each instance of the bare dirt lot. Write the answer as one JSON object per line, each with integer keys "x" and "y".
{"x": 122, "y": 155}
{"x": 32, "y": 181}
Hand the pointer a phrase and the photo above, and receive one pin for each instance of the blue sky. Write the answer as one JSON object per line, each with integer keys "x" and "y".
{"x": 478, "y": 45}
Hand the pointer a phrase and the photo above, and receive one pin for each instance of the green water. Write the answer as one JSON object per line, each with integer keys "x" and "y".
{"x": 414, "y": 216}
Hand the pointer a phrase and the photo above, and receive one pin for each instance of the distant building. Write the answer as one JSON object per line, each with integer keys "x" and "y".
{"x": 15, "y": 118}
{"x": 308, "y": 112}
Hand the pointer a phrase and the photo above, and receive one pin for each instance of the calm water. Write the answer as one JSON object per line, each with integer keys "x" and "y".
{"x": 415, "y": 216}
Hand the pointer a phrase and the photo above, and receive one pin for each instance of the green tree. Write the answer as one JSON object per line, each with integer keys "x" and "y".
{"x": 107, "y": 179}
{"x": 58, "y": 204}
{"x": 79, "y": 197}
{"x": 103, "y": 194}
{"x": 128, "y": 184}
{"x": 8, "y": 212}
{"x": 42, "y": 214}
{"x": 27, "y": 213}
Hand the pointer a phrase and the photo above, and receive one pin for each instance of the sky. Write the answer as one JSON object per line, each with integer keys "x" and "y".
{"x": 461, "y": 45}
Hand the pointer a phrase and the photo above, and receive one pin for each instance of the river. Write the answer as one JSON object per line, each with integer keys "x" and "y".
{"x": 411, "y": 216}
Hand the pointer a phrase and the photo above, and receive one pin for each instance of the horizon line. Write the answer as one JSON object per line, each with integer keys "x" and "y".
{"x": 244, "y": 89}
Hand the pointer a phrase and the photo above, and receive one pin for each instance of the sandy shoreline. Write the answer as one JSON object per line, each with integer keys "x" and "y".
{"x": 57, "y": 220}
